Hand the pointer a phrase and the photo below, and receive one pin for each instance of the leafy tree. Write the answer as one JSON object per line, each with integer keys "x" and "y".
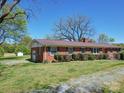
{"x": 74, "y": 29}
{"x": 13, "y": 29}
{"x": 1, "y": 51}
{"x": 11, "y": 14}
{"x": 10, "y": 47}
{"x": 120, "y": 44}
{"x": 103, "y": 38}
{"x": 10, "y": 7}
{"x": 22, "y": 48}
{"x": 26, "y": 40}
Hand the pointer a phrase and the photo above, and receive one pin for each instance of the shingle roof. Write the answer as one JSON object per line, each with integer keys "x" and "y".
{"x": 46, "y": 42}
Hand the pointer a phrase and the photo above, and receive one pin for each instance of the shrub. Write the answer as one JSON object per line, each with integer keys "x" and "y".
{"x": 56, "y": 57}
{"x": 8, "y": 48}
{"x": 1, "y": 52}
{"x": 81, "y": 56}
{"x": 105, "y": 56}
{"x": 75, "y": 57}
{"x": 121, "y": 55}
{"x": 91, "y": 56}
{"x": 67, "y": 58}
{"x": 116, "y": 56}
{"x": 85, "y": 56}
{"x": 63, "y": 58}
{"x": 101, "y": 56}
{"x": 59, "y": 58}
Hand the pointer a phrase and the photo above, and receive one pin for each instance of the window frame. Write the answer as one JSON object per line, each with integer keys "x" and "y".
{"x": 72, "y": 50}
{"x": 95, "y": 50}
{"x": 82, "y": 50}
{"x": 53, "y": 50}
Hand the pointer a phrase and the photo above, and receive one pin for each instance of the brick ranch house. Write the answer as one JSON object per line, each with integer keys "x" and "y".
{"x": 43, "y": 49}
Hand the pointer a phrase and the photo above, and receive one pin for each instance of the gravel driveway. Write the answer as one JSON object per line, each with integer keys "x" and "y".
{"x": 13, "y": 62}
{"x": 92, "y": 83}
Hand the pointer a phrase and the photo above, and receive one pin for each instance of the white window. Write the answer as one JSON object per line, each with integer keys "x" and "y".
{"x": 95, "y": 50}
{"x": 70, "y": 50}
{"x": 53, "y": 50}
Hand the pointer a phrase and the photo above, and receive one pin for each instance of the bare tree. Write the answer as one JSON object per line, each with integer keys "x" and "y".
{"x": 74, "y": 28}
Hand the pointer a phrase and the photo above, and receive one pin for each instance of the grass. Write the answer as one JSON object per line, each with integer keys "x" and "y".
{"x": 14, "y": 57}
{"x": 30, "y": 76}
{"x": 121, "y": 88}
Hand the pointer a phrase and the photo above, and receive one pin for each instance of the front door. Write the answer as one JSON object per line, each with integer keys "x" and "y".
{"x": 34, "y": 55}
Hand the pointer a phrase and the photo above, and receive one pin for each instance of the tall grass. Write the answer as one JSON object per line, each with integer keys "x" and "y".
{"x": 30, "y": 76}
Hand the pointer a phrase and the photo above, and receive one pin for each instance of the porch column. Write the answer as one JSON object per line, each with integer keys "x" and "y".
{"x": 45, "y": 57}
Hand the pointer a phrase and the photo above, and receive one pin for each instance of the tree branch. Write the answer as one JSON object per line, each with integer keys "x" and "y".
{"x": 14, "y": 16}
{"x": 3, "y": 2}
{"x": 15, "y": 2}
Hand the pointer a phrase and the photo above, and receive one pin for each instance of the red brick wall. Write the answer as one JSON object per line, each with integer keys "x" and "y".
{"x": 77, "y": 49}
{"x": 39, "y": 56}
{"x": 46, "y": 55}
{"x": 62, "y": 49}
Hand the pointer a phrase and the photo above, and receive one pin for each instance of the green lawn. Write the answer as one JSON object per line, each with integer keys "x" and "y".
{"x": 28, "y": 76}
{"x": 14, "y": 57}
{"x": 121, "y": 89}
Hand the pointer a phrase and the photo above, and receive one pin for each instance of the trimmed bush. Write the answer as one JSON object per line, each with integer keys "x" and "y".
{"x": 91, "y": 56}
{"x": 85, "y": 56}
{"x": 105, "y": 56}
{"x": 81, "y": 56}
{"x": 59, "y": 58}
{"x": 75, "y": 57}
{"x": 1, "y": 52}
{"x": 67, "y": 58}
{"x": 56, "y": 57}
{"x": 121, "y": 55}
{"x": 116, "y": 56}
{"x": 63, "y": 58}
{"x": 101, "y": 56}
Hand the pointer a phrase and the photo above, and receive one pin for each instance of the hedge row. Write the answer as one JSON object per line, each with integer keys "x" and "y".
{"x": 80, "y": 57}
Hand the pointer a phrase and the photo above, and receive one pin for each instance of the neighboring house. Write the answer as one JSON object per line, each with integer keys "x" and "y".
{"x": 43, "y": 49}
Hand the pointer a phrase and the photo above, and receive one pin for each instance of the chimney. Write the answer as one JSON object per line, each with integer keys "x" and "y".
{"x": 86, "y": 40}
